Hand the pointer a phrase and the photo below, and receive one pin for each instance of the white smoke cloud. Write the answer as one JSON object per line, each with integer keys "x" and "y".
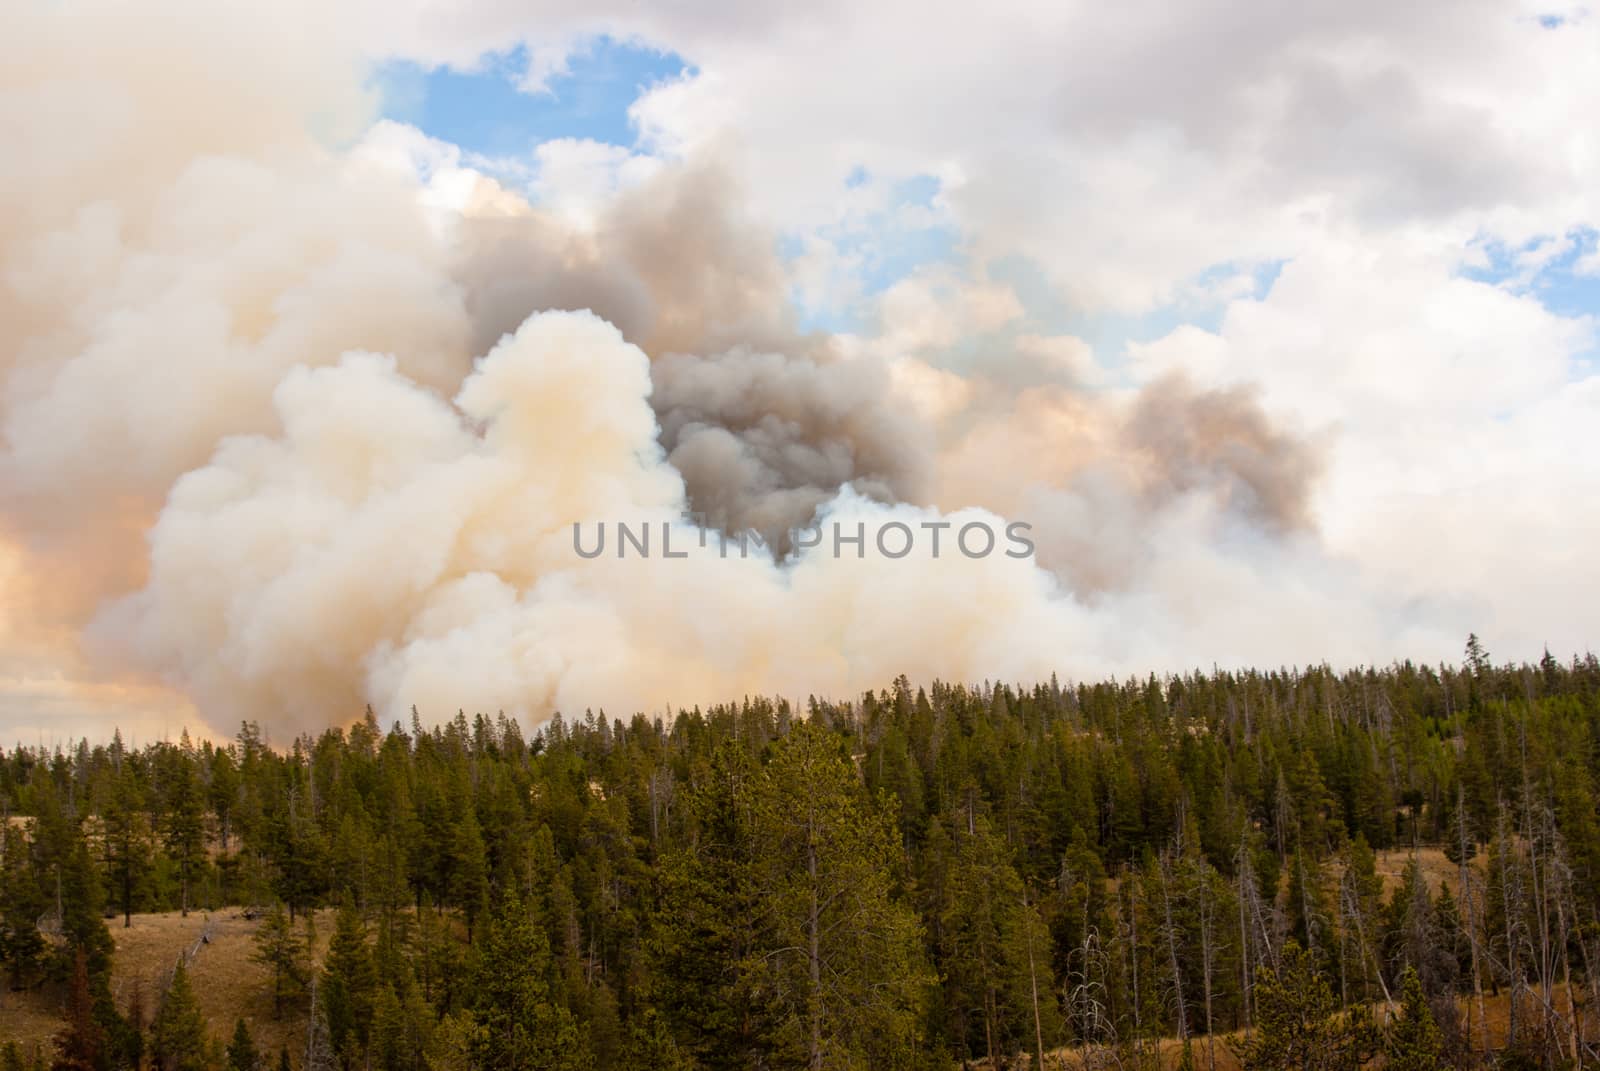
{"x": 388, "y": 547}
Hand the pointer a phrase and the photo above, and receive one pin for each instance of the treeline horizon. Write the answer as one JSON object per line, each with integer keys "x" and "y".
{"x": 914, "y": 878}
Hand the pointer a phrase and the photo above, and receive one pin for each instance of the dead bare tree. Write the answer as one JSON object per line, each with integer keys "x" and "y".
{"x": 319, "y": 1048}
{"x": 1129, "y": 939}
{"x": 1033, "y": 977}
{"x": 1350, "y": 907}
{"x": 1206, "y": 906}
{"x": 1088, "y": 1004}
{"x": 661, "y": 794}
{"x": 1558, "y": 890}
{"x": 1469, "y": 900}
{"x": 1169, "y": 936}
{"x": 1512, "y": 899}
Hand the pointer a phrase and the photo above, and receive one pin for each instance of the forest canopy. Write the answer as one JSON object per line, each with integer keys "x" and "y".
{"x": 913, "y": 878}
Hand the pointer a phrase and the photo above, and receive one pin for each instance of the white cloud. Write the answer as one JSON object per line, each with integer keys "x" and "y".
{"x": 1455, "y": 415}
{"x": 576, "y": 177}
{"x": 1125, "y": 148}
{"x": 1374, "y": 337}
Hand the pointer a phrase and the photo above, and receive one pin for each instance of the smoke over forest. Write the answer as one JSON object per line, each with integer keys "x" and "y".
{"x": 613, "y": 535}
{"x": 287, "y": 432}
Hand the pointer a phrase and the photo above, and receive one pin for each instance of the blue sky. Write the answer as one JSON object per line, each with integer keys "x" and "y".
{"x": 885, "y": 262}
{"x": 485, "y": 111}
{"x": 1557, "y": 284}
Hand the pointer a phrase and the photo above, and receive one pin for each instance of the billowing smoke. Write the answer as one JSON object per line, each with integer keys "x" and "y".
{"x": 764, "y": 422}
{"x": 286, "y": 432}
{"x": 763, "y": 439}
{"x": 673, "y": 262}
{"x": 1186, "y": 438}
{"x": 1111, "y": 481}
{"x": 391, "y": 547}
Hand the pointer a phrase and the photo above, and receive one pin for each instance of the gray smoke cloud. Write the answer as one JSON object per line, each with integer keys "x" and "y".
{"x": 765, "y": 422}
{"x": 673, "y": 262}
{"x": 1188, "y": 438}
{"x": 1105, "y": 478}
{"x": 764, "y": 439}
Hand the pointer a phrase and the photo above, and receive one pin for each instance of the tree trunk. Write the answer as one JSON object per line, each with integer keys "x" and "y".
{"x": 1033, "y": 980}
{"x": 814, "y": 939}
{"x": 1172, "y": 951}
{"x": 1133, "y": 958}
{"x": 1244, "y": 934}
{"x": 1206, "y": 953}
{"x": 1472, "y": 922}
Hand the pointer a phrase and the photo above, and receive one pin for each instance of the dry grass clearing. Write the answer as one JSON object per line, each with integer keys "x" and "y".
{"x": 1436, "y": 868}
{"x": 226, "y": 982}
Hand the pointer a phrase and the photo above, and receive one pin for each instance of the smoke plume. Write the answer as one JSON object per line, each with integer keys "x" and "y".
{"x": 280, "y": 431}
{"x": 765, "y": 423}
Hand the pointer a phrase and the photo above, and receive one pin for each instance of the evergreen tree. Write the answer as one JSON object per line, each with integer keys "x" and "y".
{"x": 991, "y": 951}
{"x": 1412, "y": 939}
{"x": 281, "y": 951}
{"x": 519, "y": 1023}
{"x": 649, "y": 1044}
{"x": 81, "y": 903}
{"x": 844, "y": 956}
{"x": 708, "y": 928}
{"x": 1298, "y": 1022}
{"x": 389, "y": 1047}
{"x": 1361, "y": 923}
{"x": 178, "y": 1036}
{"x": 1413, "y": 1041}
{"x": 126, "y": 840}
{"x": 80, "y": 1046}
{"x": 1450, "y": 949}
{"x": 1477, "y": 658}
{"x": 22, "y": 902}
{"x": 184, "y": 835}
{"x": 1310, "y": 914}
{"x": 242, "y": 1053}
{"x": 349, "y": 985}
{"x": 469, "y": 885}
{"x": 222, "y": 793}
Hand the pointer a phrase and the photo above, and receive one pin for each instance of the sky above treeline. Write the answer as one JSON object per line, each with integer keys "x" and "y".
{"x": 323, "y": 327}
